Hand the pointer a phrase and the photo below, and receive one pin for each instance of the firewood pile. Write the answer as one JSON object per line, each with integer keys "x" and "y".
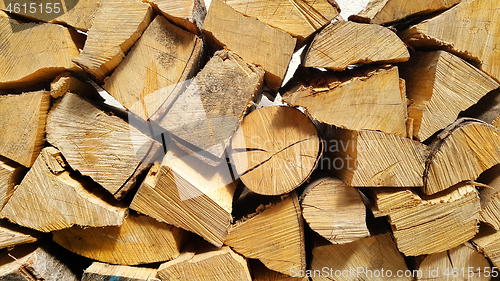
{"x": 160, "y": 140}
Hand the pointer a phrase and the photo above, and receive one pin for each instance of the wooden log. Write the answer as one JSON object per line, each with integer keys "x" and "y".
{"x": 185, "y": 192}
{"x": 12, "y": 235}
{"x": 108, "y": 272}
{"x": 274, "y": 235}
{"x": 109, "y": 41}
{"x": 51, "y": 45}
{"x": 390, "y": 11}
{"x": 487, "y": 241}
{"x": 140, "y": 239}
{"x": 298, "y": 18}
{"x": 468, "y": 30}
{"x": 372, "y": 100}
{"x": 275, "y": 150}
{"x": 23, "y": 125}
{"x": 487, "y": 109}
{"x": 490, "y": 197}
{"x": 364, "y": 259}
{"x": 11, "y": 174}
{"x": 435, "y": 86}
{"x": 343, "y": 43}
{"x": 429, "y": 224}
{"x": 198, "y": 116}
{"x": 261, "y": 273}
{"x": 65, "y": 82}
{"x": 334, "y": 210}
{"x": 462, "y": 261}
{"x": 188, "y": 14}
{"x": 256, "y": 43}
{"x": 164, "y": 56}
{"x": 469, "y": 146}
{"x": 355, "y": 157}
{"x": 47, "y": 200}
{"x": 212, "y": 264}
{"x": 98, "y": 145}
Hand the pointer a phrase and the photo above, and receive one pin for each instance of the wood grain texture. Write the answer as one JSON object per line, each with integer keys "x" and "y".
{"x": 12, "y": 235}
{"x": 65, "y": 82}
{"x": 469, "y": 29}
{"x": 11, "y": 174}
{"x": 274, "y": 235}
{"x": 188, "y": 14}
{"x": 98, "y": 145}
{"x": 490, "y": 197}
{"x": 261, "y": 273}
{"x": 98, "y": 271}
{"x": 254, "y": 41}
{"x": 435, "y": 86}
{"x": 116, "y": 27}
{"x": 487, "y": 241}
{"x": 343, "y": 43}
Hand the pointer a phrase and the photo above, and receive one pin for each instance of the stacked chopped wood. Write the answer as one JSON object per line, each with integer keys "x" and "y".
{"x": 159, "y": 140}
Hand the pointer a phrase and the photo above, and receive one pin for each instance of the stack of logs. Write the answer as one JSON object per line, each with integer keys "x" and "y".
{"x": 381, "y": 162}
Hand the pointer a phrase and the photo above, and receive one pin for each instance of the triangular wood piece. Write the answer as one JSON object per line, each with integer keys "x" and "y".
{"x": 469, "y": 146}
{"x": 109, "y": 41}
{"x": 334, "y": 210}
{"x": 12, "y": 235}
{"x": 188, "y": 193}
{"x": 469, "y": 29}
{"x": 429, "y": 224}
{"x": 363, "y": 259}
{"x": 163, "y": 57}
{"x": 299, "y": 18}
{"x": 11, "y": 174}
{"x": 261, "y": 273}
{"x": 487, "y": 241}
{"x": 189, "y": 14}
{"x": 373, "y": 100}
{"x": 108, "y": 272}
{"x": 198, "y": 116}
{"x": 490, "y": 196}
{"x": 256, "y": 43}
{"x": 343, "y": 43}
{"x": 98, "y": 145}
{"x": 274, "y": 235}
{"x": 437, "y": 92}
{"x": 47, "y": 200}
{"x": 140, "y": 239}
{"x": 23, "y": 125}
{"x": 391, "y": 11}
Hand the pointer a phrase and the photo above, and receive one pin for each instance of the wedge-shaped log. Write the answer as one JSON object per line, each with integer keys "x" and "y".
{"x": 98, "y": 145}
{"x": 52, "y": 46}
{"x": 256, "y": 42}
{"x": 343, "y": 43}
{"x": 437, "y": 92}
{"x": 108, "y": 272}
{"x": 429, "y": 224}
{"x": 487, "y": 241}
{"x": 261, "y": 273}
{"x": 109, "y": 41}
{"x": 334, "y": 210}
{"x": 461, "y": 152}
{"x": 198, "y": 116}
{"x": 274, "y": 235}
{"x": 48, "y": 200}
{"x": 140, "y": 239}
{"x": 390, "y": 11}
{"x": 189, "y": 14}
{"x": 163, "y": 57}
{"x": 469, "y": 29}
{"x": 11, "y": 174}
{"x": 361, "y": 259}
{"x": 373, "y": 100}
{"x": 186, "y": 192}
{"x": 12, "y": 235}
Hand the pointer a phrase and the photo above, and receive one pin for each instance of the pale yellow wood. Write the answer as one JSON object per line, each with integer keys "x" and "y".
{"x": 487, "y": 241}
{"x": 373, "y": 253}
{"x": 33, "y": 53}
{"x": 370, "y": 100}
{"x": 140, "y": 239}
{"x": 334, "y": 210}
{"x": 96, "y": 144}
{"x": 275, "y": 150}
{"x": 254, "y": 41}
{"x": 390, "y": 11}
{"x": 461, "y": 152}
{"x": 48, "y": 201}
{"x": 261, "y": 273}
{"x": 469, "y": 29}
{"x": 461, "y": 262}
{"x": 150, "y": 72}
{"x": 440, "y": 86}
{"x": 343, "y": 43}
{"x": 115, "y": 28}
{"x": 490, "y": 196}
{"x": 429, "y": 224}
{"x": 12, "y": 235}
{"x": 274, "y": 235}
{"x": 108, "y": 272}
{"x": 496, "y": 122}
{"x": 189, "y": 14}
{"x": 199, "y": 116}
{"x": 11, "y": 174}
{"x": 299, "y": 18}
{"x": 213, "y": 264}
{"x": 185, "y": 192}
{"x": 23, "y": 125}
{"x": 65, "y": 82}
